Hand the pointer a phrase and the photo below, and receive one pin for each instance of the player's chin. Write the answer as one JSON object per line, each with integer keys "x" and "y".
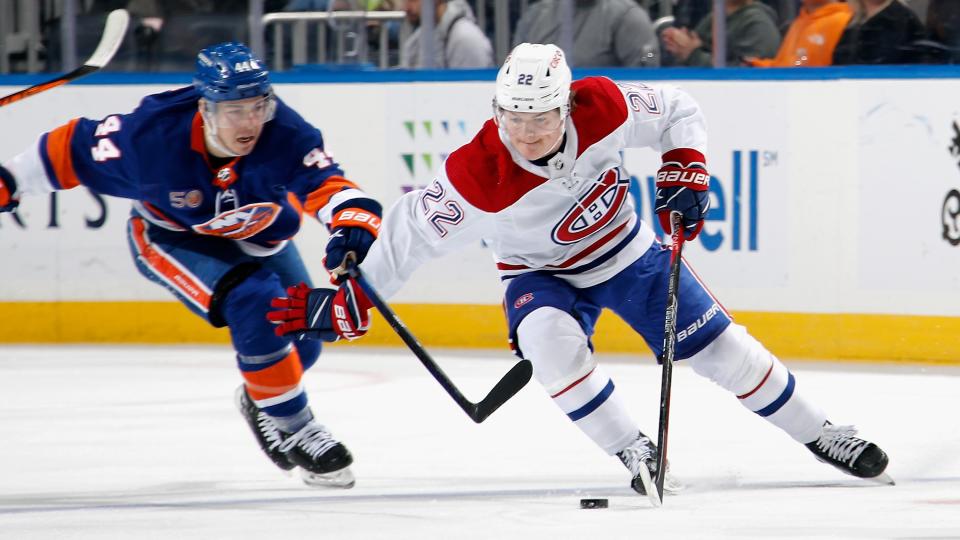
{"x": 532, "y": 151}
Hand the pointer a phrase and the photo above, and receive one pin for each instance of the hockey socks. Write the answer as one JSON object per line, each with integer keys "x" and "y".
{"x": 593, "y": 404}
{"x": 739, "y": 363}
{"x": 273, "y": 383}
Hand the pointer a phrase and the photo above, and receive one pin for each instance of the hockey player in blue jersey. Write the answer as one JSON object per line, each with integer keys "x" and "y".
{"x": 221, "y": 174}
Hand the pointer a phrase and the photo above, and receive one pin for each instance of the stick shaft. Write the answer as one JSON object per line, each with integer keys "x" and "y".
{"x": 669, "y": 346}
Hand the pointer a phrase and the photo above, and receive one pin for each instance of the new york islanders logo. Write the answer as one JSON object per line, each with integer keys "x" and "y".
{"x": 594, "y": 210}
{"x": 242, "y": 222}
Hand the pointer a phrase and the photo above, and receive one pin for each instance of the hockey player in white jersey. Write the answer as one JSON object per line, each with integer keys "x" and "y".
{"x": 543, "y": 184}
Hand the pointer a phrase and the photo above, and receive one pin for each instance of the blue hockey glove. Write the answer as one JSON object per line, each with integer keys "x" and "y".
{"x": 682, "y": 186}
{"x": 324, "y": 314}
{"x": 8, "y": 191}
{"x": 353, "y": 229}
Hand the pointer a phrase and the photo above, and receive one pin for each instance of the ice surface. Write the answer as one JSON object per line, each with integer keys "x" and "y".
{"x": 142, "y": 443}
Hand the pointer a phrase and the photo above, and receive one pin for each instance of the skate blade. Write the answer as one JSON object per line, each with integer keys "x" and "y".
{"x": 649, "y": 488}
{"x": 337, "y": 479}
{"x": 882, "y": 479}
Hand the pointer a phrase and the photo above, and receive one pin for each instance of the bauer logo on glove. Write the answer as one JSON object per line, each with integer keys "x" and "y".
{"x": 324, "y": 314}
{"x": 681, "y": 177}
{"x": 683, "y": 185}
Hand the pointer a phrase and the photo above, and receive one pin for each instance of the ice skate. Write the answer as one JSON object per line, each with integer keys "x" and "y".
{"x": 323, "y": 458}
{"x": 640, "y": 458}
{"x": 264, "y": 429}
{"x": 838, "y": 446}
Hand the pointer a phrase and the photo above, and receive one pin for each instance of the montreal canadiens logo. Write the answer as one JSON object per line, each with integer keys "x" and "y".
{"x": 522, "y": 300}
{"x": 241, "y": 223}
{"x": 594, "y": 210}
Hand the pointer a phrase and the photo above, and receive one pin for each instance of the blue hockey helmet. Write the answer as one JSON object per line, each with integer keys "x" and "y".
{"x": 229, "y": 71}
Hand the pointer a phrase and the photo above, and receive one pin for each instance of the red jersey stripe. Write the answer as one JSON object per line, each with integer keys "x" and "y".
{"x": 576, "y": 258}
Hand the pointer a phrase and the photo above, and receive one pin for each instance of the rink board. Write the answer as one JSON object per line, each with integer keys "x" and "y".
{"x": 833, "y": 231}
{"x": 860, "y": 337}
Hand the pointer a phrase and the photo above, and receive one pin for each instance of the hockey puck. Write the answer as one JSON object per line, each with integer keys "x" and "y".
{"x": 593, "y": 503}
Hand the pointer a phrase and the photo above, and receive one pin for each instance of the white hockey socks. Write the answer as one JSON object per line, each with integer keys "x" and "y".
{"x": 739, "y": 363}
{"x": 562, "y": 362}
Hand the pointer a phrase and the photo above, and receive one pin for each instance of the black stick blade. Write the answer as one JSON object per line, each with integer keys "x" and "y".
{"x": 511, "y": 383}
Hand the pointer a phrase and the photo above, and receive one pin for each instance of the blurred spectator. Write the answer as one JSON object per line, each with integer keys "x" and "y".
{"x": 168, "y": 33}
{"x": 459, "y": 42}
{"x": 751, "y": 32}
{"x": 605, "y": 32}
{"x": 166, "y": 8}
{"x": 919, "y": 7}
{"x": 686, "y": 13}
{"x": 307, "y": 5}
{"x": 812, "y": 36}
{"x": 338, "y": 5}
{"x": 341, "y": 47}
{"x": 943, "y": 25}
{"x": 489, "y": 15}
{"x": 102, "y": 6}
{"x": 880, "y": 32}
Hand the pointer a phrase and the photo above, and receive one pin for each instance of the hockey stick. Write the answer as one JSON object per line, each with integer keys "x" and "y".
{"x": 509, "y": 385}
{"x": 669, "y": 345}
{"x": 113, "y": 33}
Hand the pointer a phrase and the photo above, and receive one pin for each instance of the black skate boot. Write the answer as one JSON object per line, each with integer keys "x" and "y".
{"x": 264, "y": 429}
{"x": 852, "y": 455}
{"x": 324, "y": 460}
{"x": 640, "y": 458}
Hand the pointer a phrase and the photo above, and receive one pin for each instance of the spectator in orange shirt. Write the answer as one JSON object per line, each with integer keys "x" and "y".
{"x": 812, "y": 36}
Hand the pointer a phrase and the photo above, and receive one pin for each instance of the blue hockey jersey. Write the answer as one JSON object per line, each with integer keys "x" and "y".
{"x": 157, "y": 157}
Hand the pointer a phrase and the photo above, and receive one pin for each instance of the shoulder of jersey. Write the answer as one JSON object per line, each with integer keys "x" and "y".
{"x": 159, "y": 112}
{"x": 485, "y": 175}
{"x": 599, "y": 110}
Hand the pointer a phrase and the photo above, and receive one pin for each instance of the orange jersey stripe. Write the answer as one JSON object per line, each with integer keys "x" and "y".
{"x": 170, "y": 272}
{"x": 295, "y": 203}
{"x": 275, "y": 380}
{"x": 321, "y": 197}
{"x": 58, "y": 151}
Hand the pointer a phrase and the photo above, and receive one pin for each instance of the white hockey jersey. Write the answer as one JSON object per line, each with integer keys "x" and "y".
{"x": 573, "y": 217}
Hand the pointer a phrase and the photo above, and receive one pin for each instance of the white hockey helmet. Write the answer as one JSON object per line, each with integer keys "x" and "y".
{"x": 534, "y": 78}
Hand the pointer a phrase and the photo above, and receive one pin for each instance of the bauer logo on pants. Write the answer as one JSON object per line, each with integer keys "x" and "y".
{"x": 699, "y": 323}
